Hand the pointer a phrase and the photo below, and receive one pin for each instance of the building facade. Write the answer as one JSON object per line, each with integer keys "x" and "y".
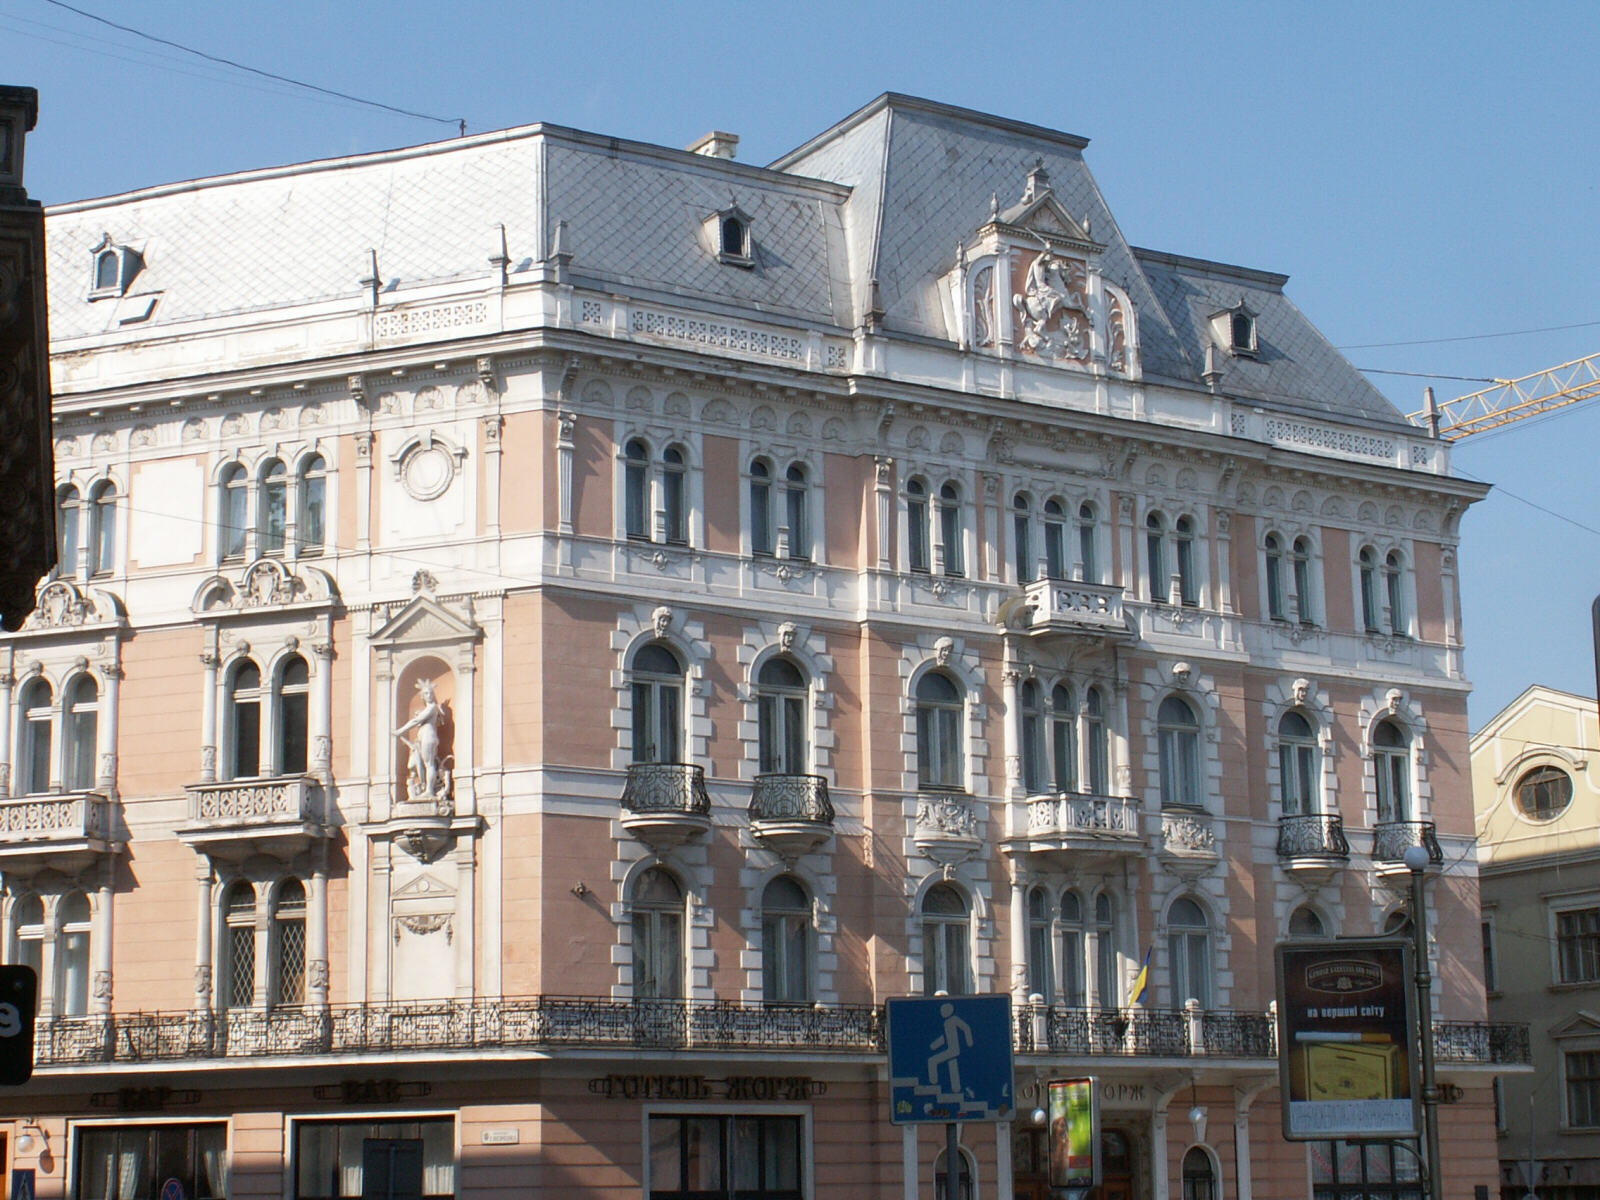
{"x": 1538, "y": 802}
{"x": 553, "y": 632}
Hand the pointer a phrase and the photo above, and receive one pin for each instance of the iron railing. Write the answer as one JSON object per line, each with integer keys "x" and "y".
{"x": 1391, "y": 840}
{"x": 791, "y": 798}
{"x": 1312, "y": 835}
{"x": 546, "y": 1022}
{"x": 666, "y": 788}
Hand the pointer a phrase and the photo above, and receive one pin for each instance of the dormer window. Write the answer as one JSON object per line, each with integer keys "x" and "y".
{"x": 1244, "y": 332}
{"x": 114, "y": 267}
{"x": 728, "y": 231}
{"x": 1235, "y": 330}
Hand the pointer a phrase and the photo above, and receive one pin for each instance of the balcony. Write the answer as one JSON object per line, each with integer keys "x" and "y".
{"x": 791, "y": 815}
{"x": 277, "y": 817}
{"x": 1312, "y": 845}
{"x": 665, "y": 804}
{"x": 1188, "y": 846}
{"x": 1057, "y": 606}
{"x": 1391, "y": 840}
{"x": 63, "y": 831}
{"x": 1083, "y": 828}
{"x": 947, "y": 827}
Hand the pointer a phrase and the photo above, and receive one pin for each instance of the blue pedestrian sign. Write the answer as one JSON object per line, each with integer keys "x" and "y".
{"x": 950, "y": 1059}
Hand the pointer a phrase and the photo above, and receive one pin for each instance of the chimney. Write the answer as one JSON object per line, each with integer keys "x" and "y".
{"x": 715, "y": 144}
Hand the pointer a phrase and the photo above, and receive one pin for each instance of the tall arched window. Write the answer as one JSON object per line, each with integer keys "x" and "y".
{"x": 1199, "y": 1177}
{"x": 794, "y": 505}
{"x": 1098, "y": 742}
{"x": 781, "y": 713}
{"x": 1297, "y": 765}
{"x": 102, "y": 528}
{"x": 760, "y": 507}
{"x": 1088, "y": 559}
{"x": 289, "y": 943}
{"x": 786, "y": 953}
{"x": 939, "y": 760}
{"x": 917, "y": 537}
{"x": 1178, "y": 739}
{"x": 239, "y": 946}
{"x": 68, "y": 511}
{"x": 274, "y": 507}
{"x": 310, "y": 528}
{"x": 1305, "y": 602}
{"x": 1391, "y": 763}
{"x": 72, "y": 955}
{"x": 1022, "y": 536}
{"x": 636, "y": 490}
{"x": 657, "y": 705}
{"x": 1274, "y": 560}
{"x": 1183, "y": 547}
{"x": 294, "y": 694}
{"x": 1189, "y": 953}
{"x": 1063, "y": 738}
{"x": 30, "y": 933}
{"x": 1108, "y": 979}
{"x": 1055, "y": 540}
{"x": 1368, "y": 563}
{"x": 947, "y": 965}
{"x": 234, "y": 504}
{"x": 1032, "y": 717}
{"x": 1041, "y": 970}
{"x": 244, "y": 721}
{"x": 950, "y": 529}
{"x": 1072, "y": 948}
{"x": 1393, "y": 583}
{"x": 674, "y": 485}
{"x": 34, "y": 740}
{"x": 657, "y": 937}
{"x": 1155, "y": 553}
{"x": 80, "y": 727}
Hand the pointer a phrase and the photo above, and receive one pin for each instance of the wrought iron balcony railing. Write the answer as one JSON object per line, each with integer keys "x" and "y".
{"x": 1312, "y": 835}
{"x": 544, "y": 1022}
{"x": 1391, "y": 840}
{"x": 666, "y": 788}
{"x": 789, "y": 798}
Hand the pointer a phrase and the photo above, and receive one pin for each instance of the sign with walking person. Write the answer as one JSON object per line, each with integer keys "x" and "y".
{"x": 950, "y": 1059}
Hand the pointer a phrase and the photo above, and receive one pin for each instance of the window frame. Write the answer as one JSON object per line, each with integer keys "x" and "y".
{"x": 1302, "y": 555}
{"x": 1155, "y": 546}
{"x": 1580, "y": 1094}
{"x": 919, "y": 528}
{"x": 1184, "y": 539}
{"x": 781, "y": 927}
{"x": 1063, "y": 748}
{"x": 1022, "y": 538}
{"x": 1054, "y": 526}
{"x": 1272, "y": 551}
{"x": 102, "y": 541}
{"x": 1088, "y": 529}
{"x": 1391, "y": 765}
{"x": 1575, "y": 941}
{"x": 941, "y": 733}
{"x": 1367, "y": 574}
{"x": 952, "y": 530}
{"x": 1181, "y": 765}
{"x": 1031, "y": 729}
{"x": 311, "y": 506}
{"x": 234, "y": 531}
{"x": 763, "y": 538}
{"x": 947, "y": 944}
{"x": 783, "y": 733}
{"x": 649, "y": 691}
{"x": 1526, "y": 778}
{"x": 36, "y": 738}
{"x": 658, "y": 935}
{"x": 1189, "y": 955}
{"x": 1040, "y": 945}
{"x": 1299, "y": 766}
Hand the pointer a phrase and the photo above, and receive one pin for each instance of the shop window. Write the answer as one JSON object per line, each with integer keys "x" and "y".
{"x": 1370, "y": 1170}
{"x": 781, "y": 715}
{"x": 786, "y": 949}
{"x": 939, "y": 759}
{"x": 134, "y": 1162}
{"x": 657, "y": 682}
{"x": 658, "y": 904}
{"x": 946, "y": 965}
{"x": 393, "y": 1160}
{"x": 726, "y": 1157}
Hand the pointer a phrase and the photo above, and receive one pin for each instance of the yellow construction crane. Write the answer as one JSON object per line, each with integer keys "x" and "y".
{"x": 1510, "y": 400}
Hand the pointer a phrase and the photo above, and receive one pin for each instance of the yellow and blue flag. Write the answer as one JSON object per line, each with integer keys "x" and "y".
{"x": 1142, "y": 980}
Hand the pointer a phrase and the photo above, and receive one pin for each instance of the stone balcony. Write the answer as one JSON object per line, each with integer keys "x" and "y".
{"x": 1057, "y": 606}
{"x": 277, "y": 817}
{"x": 1076, "y": 827}
{"x": 1312, "y": 845}
{"x": 665, "y": 804}
{"x": 946, "y": 827}
{"x": 791, "y": 815}
{"x": 62, "y": 830}
{"x": 1188, "y": 845}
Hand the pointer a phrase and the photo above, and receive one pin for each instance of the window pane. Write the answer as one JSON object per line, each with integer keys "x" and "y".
{"x": 799, "y": 533}
{"x": 666, "y": 1154}
{"x": 313, "y": 491}
{"x": 760, "y": 517}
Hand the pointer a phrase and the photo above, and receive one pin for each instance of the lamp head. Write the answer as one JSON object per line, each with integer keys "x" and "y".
{"x": 1415, "y": 859}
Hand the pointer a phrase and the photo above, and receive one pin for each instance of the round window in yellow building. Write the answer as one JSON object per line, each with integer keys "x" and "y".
{"x": 1544, "y": 793}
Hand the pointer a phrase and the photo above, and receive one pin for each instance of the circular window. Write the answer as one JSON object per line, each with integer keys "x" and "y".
{"x": 427, "y": 472}
{"x": 1544, "y": 793}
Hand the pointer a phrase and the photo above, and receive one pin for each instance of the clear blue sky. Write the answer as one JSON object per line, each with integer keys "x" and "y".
{"x": 1421, "y": 172}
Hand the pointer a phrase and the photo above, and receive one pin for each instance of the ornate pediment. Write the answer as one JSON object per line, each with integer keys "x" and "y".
{"x": 64, "y": 606}
{"x": 263, "y": 586}
{"x": 1581, "y": 1024}
{"x": 425, "y": 621}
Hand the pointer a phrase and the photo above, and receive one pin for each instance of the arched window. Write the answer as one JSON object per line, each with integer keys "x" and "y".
{"x": 1391, "y": 763}
{"x": 674, "y": 481}
{"x": 941, "y": 1175}
{"x": 786, "y": 952}
{"x": 733, "y": 237}
{"x": 289, "y": 943}
{"x": 794, "y": 502}
{"x": 234, "y": 502}
{"x": 1072, "y": 946}
{"x": 30, "y": 933}
{"x": 1183, "y": 546}
{"x": 274, "y": 507}
{"x": 107, "y": 273}
{"x": 760, "y": 507}
{"x": 80, "y": 727}
{"x": 1178, "y": 739}
{"x": 1368, "y": 561}
{"x": 939, "y": 761}
{"x": 657, "y": 937}
{"x": 1274, "y": 556}
{"x": 946, "y": 963}
{"x": 34, "y": 742}
{"x": 72, "y": 955}
{"x": 294, "y": 693}
{"x": 102, "y": 528}
{"x": 244, "y": 721}
{"x": 636, "y": 490}
{"x": 1189, "y": 953}
{"x": 1055, "y": 540}
{"x": 1022, "y": 536}
{"x": 1088, "y": 560}
{"x": 657, "y": 705}
{"x": 1305, "y": 923}
{"x": 1098, "y": 743}
{"x": 917, "y": 557}
{"x": 1063, "y": 738}
{"x": 1393, "y": 578}
{"x": 1107, "y": 978}
{"x": 1155, "y": 553}
{"x": 950, "y": 529}
{"x": 1032, "y": 716}
{"x": 311, "y": 525}
{"x": 1297, "y": 765}
{"x": 781, "y": 711}
{"x": 1199, "y": 1177}
{"x": 68, "y": 511}
{"x": 1304, "y": 600}
{"x": 1041, "y": 971}
{"x": 239, "y": 946}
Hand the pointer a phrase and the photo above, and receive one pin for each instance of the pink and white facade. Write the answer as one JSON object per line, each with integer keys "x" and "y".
{"x": 555, "y": 631}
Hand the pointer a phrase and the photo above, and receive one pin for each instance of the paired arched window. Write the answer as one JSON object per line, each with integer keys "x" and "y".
{"x": 1178, "y": 740}
{"x": 781, "y": 716}
{"x": 245, "y": 955}
{"x": 671, "y": 511}
{"x": 68, "y": 512}
{"x": 1300, "y": 558}
{"x": 1041, "y": 967}
{"x": 1076, "y": 946}
{"x": 951, "y": 528}
{"x": 274, "y": 718}
{"x": 1273, "y": 546}
{"x": 793, "y": 539}
{"x": 658, "y": 907}
{"x": 786, "y": 942}
{"x": 636, "y": 490}
{"x": 919, "y": 556}
{"x": 1063, "y": 738}
{"x": 1088, "y": 559}
{"x": 1391, "y": 764}
{"x": 72, "y": 955}
{"x": 1394, "y": 590}
{"x": 1033, "y": 754}
{"x": 233, "y": 502}
{"x": 1189, "y": 952}
{"x": 1097, "y": 742}
{"x": 1371, "y": 613}
{"x": 102, "y": 527}
{"x": 1298, "y": 771}
{"x": 939, "y": 720}
{"x": 80, "y": 725}
{"x": 946, "y": 948}
{"x": 35, "y": 705}
{"x": 1022, "y": 536}
{"x": 1055, "y": 540}
{"x": 657, "y": 683}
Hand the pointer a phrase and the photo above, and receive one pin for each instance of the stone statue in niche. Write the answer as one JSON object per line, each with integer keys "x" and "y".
{"x": 1051, "y": 309}
{"x": 428, "y": 773}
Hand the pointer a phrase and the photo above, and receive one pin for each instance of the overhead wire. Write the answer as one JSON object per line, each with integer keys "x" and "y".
{"x": 1467, "y": 337}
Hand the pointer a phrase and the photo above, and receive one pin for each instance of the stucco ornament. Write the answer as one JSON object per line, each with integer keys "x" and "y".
{"x": 1181, "y": 671}
{"x": 1052, "y": 311}
{"x": 942, "y": 650}
{"x": 1391, "y": 700}
{"x": 427, "y": 773}
{"x": 1302, "y": 689}
{"x": 662, "y": 619}
{"x": 786, "y": 633}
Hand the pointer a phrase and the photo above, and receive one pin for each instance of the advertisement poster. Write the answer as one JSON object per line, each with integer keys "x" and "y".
{"x": 1344, "y": 1039}
{"x": 1074, "y": 1134}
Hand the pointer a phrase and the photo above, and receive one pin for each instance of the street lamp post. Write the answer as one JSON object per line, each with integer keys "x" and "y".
{"x": 1416, "y": 861}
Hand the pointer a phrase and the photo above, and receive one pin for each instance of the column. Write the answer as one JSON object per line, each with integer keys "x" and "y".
{"x": 1019, "y": 937}
{"x": 101, "y": 939}
{"x": 1120, "y": 768}
{"x": 364, "y": 490}
{"x": 1224, "y": 527}
{"x": 1011, "y": 678}
{"x": 203, "y": 940}
{"x": 8, "y": 681}
{"x": 317, "y": 928}
{"x": 322, "y": 712}
{"x": 1242, "y": 1099}
{"x": 208, "y": 714}
{"x": 106, "y": 769}
{"x": 466, "y": 892}
{"x": 1160, "y": 1185}
{"x": 379, "y": 920}
{"x": 493, "y": 450}
{"x": 883, "y": 489}
{"x": 566, "y": 450}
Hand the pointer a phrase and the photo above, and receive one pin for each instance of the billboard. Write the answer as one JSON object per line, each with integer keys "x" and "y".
{"x": 1074, "y": 1133}
{"x": 1345, "y": 1064}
